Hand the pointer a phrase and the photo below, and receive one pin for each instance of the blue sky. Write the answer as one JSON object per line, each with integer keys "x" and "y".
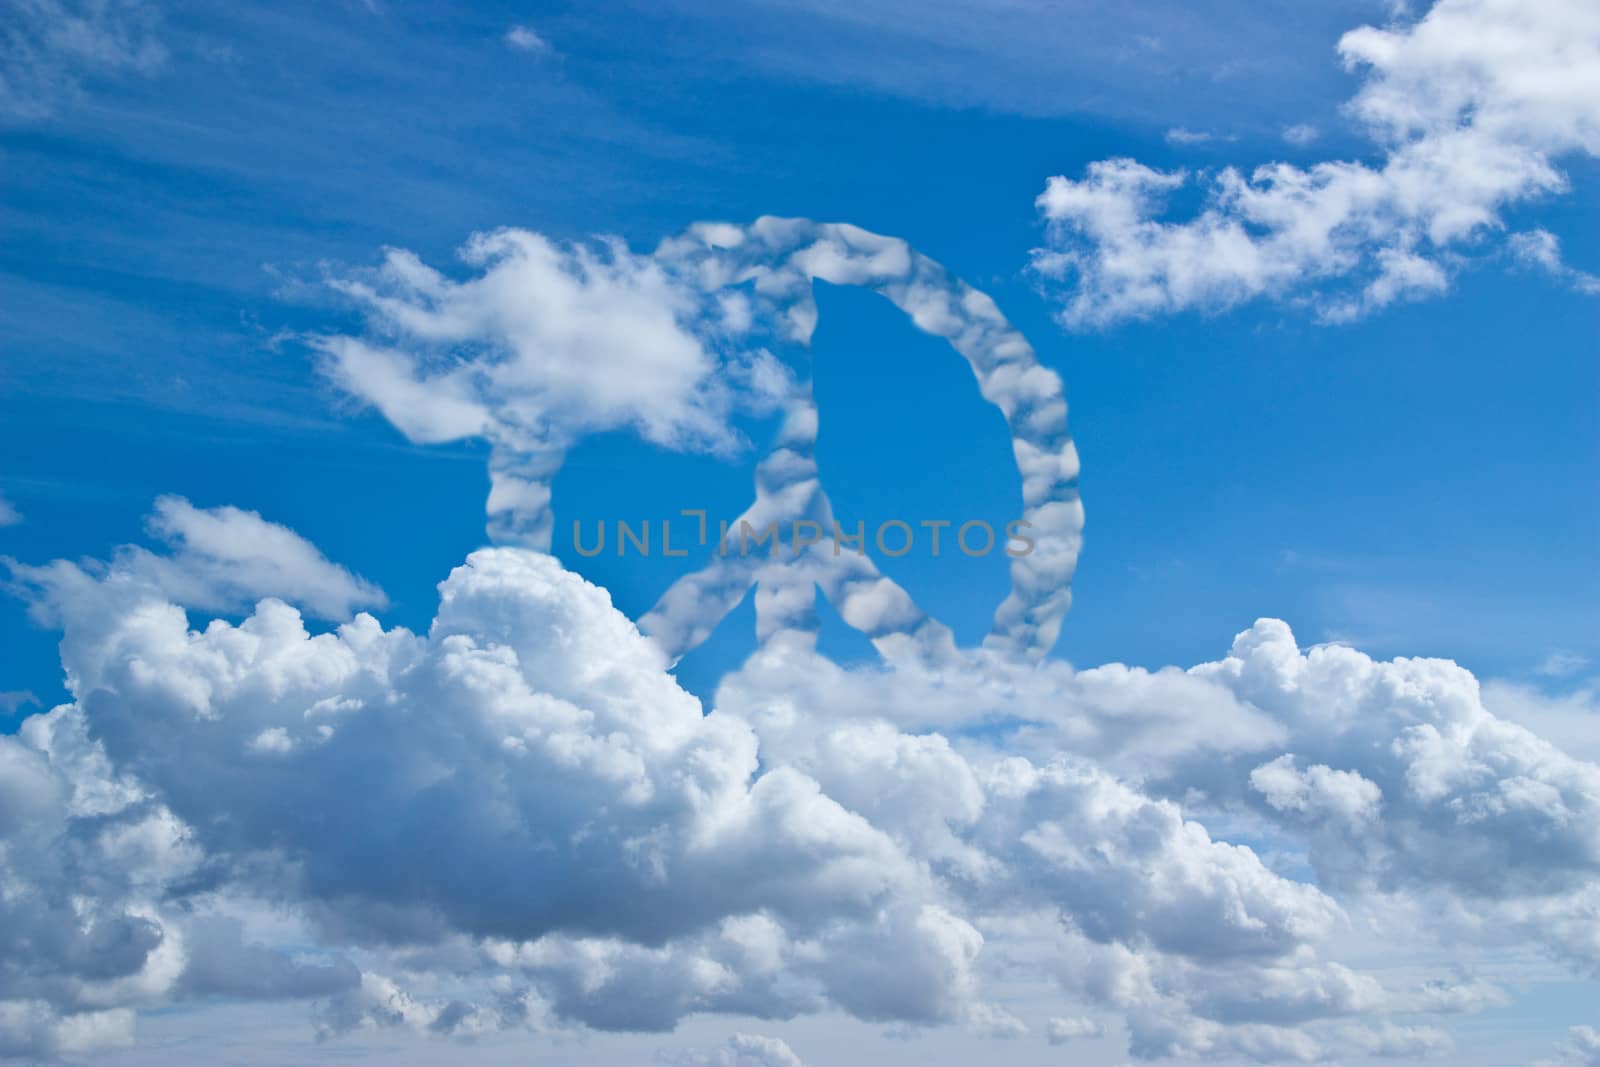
{"x": 1416, "y": 482}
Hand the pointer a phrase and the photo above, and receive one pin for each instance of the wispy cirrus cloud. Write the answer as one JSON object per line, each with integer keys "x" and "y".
{"x": 52, "y": 48}
{"x": 1158, "y": 63}
{"x": 14, "y": 699}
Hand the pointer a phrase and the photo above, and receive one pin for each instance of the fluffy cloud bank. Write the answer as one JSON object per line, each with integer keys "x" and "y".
{"x": 1473, "y": 107}
{"x": 518, "y": 819}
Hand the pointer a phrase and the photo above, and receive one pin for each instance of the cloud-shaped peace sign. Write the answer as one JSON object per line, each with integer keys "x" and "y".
{"x": 550, "y": 343}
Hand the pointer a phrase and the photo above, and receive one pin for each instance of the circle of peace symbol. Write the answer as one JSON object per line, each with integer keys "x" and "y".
{"x": 772, "y": 264}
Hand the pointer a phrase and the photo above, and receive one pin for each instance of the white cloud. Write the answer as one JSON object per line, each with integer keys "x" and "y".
{"x": 1389, "y": 1041}
{"x": 535, "y": 802}
{"x": 539, "y": 754}
{"x": 781, "y": 259}
{"x": 1541, "y": 249}
{"x": 1394, "y": 777}
{"x": 546, "y": 343}
{"x": 1561, "y": 663}
{"x": 518, "y": 819}
{"x": 79, "y": 938}
{"x": 1473, "y": 108}
{"x": 223, "y": 559}
{"x": 52, "y": 47}
{"x": 742, "y": 1050}
{"x": 1470, "y": 803}
{"x": 30, "y": 1029}
{"x": 1460, "y": 993}
{"x": 1570, "y": 719}
{"x": 1061, "y": 1029}
{"x": 9, "y": 515}
{"x": 524, "y": 39}
{"x": 1318, "y": 792}
{"x": 551, "y": 690}
{"x": 1178, "y": 135}
{"x": 556, "y": 340}
{"x": 1301, "y": 134}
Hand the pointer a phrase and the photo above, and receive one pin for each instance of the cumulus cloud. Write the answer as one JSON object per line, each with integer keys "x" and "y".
{"x": 518, "y": 819}
{"x": 1401, "y": 786}
{"x": 53, "y": 47}
{"x": 1473, "y": 108}
{"x": 84, "y": 861}
{"x": 222, "y": 559}
{"x": 545, "y": 343}
{"x": 532, "y": 745}
{"x": 1568, "y": 718}
{"x": 32, "y": 1030}
{"x": 525, "y": 796}
{"x": 1317, "y": 791}
{"x": 571, "y": 338}
{"x": 561, "y": 697}
{"x": 1468, "y": 801}
{"x": 742, "y": 1050}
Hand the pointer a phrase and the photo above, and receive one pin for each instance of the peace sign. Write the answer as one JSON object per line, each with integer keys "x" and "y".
{"x": 554, "y": 342}
{"x": 777, "y": 260}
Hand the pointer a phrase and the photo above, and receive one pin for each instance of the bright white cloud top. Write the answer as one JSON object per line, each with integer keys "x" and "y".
{"x": 525, "y": 797}
{"x": 1473, "y": 108}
